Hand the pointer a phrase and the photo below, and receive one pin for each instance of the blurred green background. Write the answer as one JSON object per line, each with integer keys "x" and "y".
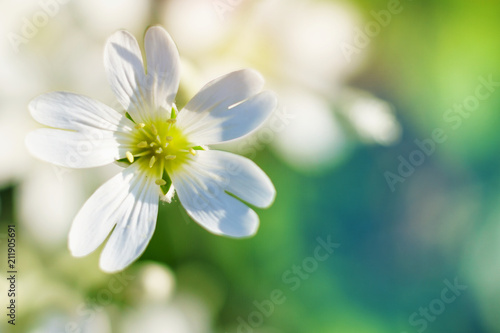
{"x": 398, "y": 250}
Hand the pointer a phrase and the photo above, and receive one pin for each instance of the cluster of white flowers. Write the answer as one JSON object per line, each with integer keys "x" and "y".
{"x": 296, "y": 45}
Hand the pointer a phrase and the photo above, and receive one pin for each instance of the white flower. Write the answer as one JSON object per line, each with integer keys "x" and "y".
{"x": 160, "y": 149}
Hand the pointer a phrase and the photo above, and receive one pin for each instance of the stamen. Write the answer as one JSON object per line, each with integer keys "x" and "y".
{"x": 192, "y": 151}
{"x": 172, "y": 121}
{"x": 170, "y": 157}
{"x": 152, "y": 144}
{"x": 144, "y": 153}
{"x": 159, "y": 151}
{"x": 142, "y": 144}
{"x": 130, "y": 157}
{"x": 158, "y": 139}
{"x": 152, "y": 161}
{"x": 169, "y": 138}
{"x": 140, "y": 125}
{"x": 146, "y": 132}
{"x": 154, "y": 130}
{"x": 160, "y": 182}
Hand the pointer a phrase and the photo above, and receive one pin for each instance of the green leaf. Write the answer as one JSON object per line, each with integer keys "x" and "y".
{"x": 129, "y": 117}
{"x": 123, "y": 160}
{"x": 166, "y": 187}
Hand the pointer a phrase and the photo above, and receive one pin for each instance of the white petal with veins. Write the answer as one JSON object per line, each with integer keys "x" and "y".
{"x": 163, "y": 68}
{"x": 130, "y": 201}
{"x": 76, "y": 112}
{"x": 74, "y": 149}
{"x": 202, "y": 186}
{"x": 227, "y": 108}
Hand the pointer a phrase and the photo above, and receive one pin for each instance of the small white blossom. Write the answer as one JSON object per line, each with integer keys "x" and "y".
{"x": 161, "y": 149}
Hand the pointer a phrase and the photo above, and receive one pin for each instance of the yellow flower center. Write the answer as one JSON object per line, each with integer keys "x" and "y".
{"x": 160, "y": 146}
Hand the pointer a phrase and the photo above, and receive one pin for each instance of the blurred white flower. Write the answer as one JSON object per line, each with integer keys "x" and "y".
{"x": 18, "y": 79}
{"x": 26, "y": 72}
{"x": 310, "y": 115}
{"x": 296, "y": 44}
{"x": 372, "y": 118}
{"x": 50, "y": 197}
{"x": 15, "y": 162}
{"x": 205, "y": 28}
{"x": 159, "y": 307}
{"x": 179, "y": 316}
{"x": 58, "y": 322}
{"x": 182, "y": 314}
{"x": 105, "y": 17}
{"x": 156, "y": 283}
{"x": 159, "y": 148}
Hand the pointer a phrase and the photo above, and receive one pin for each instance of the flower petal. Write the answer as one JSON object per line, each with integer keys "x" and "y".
{"x": 163, "y": 68}
{"x": 136, "y": 221}
{"x": 76, "y": 112}
{"x": 221, "y": 214}
{"x": 130, "y": 201}
{"x": 227, "y": 108}
{"x": 202, "y": 188}
{"x": 99, "y": 214}
{"x": 125, "y": 69}
{"x": 144, "y": 96}
{"x": 74, "y": 149}
{"x": 238, "y": 175}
